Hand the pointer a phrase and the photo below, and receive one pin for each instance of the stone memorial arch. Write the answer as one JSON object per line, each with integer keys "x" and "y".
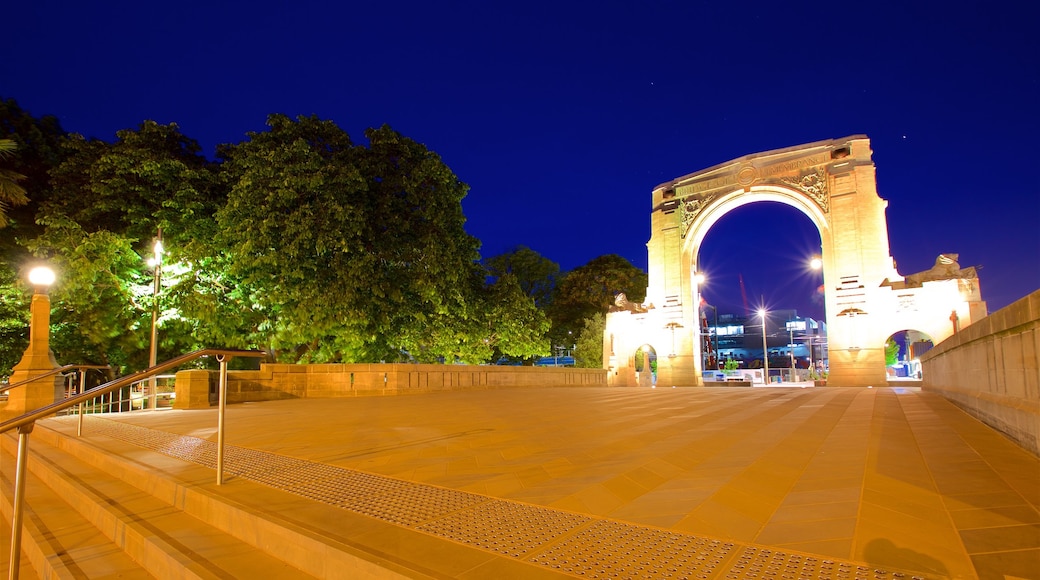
{"x": 867, "y": 300}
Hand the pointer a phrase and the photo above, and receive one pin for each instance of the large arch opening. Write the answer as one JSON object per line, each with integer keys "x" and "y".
{"x": 756, "y": 255}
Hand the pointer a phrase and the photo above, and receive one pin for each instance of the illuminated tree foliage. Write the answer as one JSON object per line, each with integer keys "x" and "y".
{"x": 353, "y": 253}
{"x": 535, "y": 273}
{"x": 11, "y": 193}
{"x": 891, "y": 352}
{"x": 300, "y": 242}
{"x": 106, "y": 205}
{"x": 588, "y": 351}
{"x": 37, "y": 150}
{"x": 591, "y": 289}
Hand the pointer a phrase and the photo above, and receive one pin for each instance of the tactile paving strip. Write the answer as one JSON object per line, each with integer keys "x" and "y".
{"x": 508, "y": 528}
{"x": 755, "y": 562}
{"x": 610, "y": 549}
{"x": 564, "y": 542}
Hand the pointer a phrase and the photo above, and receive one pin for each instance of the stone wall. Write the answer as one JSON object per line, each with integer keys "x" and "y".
{"x": 990, "y": 369}
{"x": 197, "y": 389}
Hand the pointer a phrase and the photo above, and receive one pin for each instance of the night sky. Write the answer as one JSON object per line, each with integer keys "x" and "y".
{"x": 563, "y": 116}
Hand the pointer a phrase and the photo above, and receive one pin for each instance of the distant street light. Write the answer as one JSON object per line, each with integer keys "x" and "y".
{"x": 765, "y": 349}
{"x": 714, "y": 335}
{"x": 699, "y": 279}
{"x": 815, "y": 263}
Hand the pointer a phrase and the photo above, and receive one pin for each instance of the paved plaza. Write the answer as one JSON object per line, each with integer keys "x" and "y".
{"x": 892, "y": 477}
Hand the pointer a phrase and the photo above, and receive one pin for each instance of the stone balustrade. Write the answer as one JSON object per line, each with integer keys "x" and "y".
{"x": 990, "y": 369}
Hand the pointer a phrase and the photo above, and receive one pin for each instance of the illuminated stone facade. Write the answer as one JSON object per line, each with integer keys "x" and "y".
{"x": 867, "y": 300}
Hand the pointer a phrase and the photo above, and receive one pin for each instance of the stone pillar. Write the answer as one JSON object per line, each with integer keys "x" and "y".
{"x": 37, "y": 360}
{"x": 192, "y": 389}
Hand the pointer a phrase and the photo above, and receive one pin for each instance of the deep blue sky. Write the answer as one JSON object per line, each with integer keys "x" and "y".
{"x": 562, "y": 116}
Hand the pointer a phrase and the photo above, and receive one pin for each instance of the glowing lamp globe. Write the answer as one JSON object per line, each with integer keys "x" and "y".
{"x": 41, "y": 276}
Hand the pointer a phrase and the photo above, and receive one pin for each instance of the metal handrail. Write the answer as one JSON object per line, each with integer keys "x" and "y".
{"x": 25, "y": 423}
{"x": 42, "y": 412}
{"x": 59, "y": 370}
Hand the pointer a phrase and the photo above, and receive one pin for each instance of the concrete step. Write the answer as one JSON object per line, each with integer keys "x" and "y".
{"x": 283, "y": 534}
{"x": 87, "y": 523}
{"x": 57, "y": 541}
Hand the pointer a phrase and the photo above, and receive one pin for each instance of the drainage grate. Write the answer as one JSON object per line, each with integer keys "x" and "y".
{"x": 561, "y": 541}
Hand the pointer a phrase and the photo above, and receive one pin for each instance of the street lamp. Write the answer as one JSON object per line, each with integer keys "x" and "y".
{"x": 38, "y": 355}
{"x": 37, "y": 359}
{"x": 153, "y": 352}
{"x": 765, "y": 349}
{"x": 714, "y": 335}
{"x": 815, "y": 263}
{"x": 699, "y": 278}
{"x": 156, "y": 263}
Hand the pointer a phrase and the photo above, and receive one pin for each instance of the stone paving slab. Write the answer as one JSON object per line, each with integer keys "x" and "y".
{"x": 895, "y": 478}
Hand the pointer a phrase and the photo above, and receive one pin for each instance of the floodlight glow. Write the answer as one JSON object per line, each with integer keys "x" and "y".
{"x": 41, "y": 276}
{"x": 698, "y": 278}
{"x": 815, "y": 263}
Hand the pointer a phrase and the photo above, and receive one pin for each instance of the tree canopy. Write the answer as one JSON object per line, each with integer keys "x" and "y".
{"x": 535, "y": 273}
{"x": 591, "y": 289}
{"x": 297, "y": 240}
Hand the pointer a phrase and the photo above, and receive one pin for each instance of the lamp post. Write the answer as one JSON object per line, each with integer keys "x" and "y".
{"x": 790, "y": 346}
{"x": 38, "y": 358}
{"x": 699, "y": 279}
{"x": 153, "y": 352}
{"x": 156, "y": 263}
{"x": 765, "y": 349}
{"x": 38, "y": 354}
{"x": 715, "y": 334}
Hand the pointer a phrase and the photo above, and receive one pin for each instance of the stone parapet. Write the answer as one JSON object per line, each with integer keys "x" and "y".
{"x": 290, "y": 381}
{"x": 991, "y": 370}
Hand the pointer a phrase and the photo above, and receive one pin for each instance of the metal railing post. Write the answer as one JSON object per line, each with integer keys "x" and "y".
{"x": 221, "y": 402}
{"x": 19, "y": 500}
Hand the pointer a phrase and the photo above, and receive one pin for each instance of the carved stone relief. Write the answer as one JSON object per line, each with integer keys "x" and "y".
{"x": 689, "y": 208}
{"x": 814, "y": 185}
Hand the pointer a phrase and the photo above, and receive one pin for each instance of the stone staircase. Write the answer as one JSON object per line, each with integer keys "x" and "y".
{"x": 93, "y": 515}
{"x": 100, "y": 507}
{"x": 126, "y": 501}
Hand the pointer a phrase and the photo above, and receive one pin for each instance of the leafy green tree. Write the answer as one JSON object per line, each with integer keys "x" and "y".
{"x": 536, "y": 274}
{"x": 516, "y": 327}
{"x": 588, "y": 352}
{"x": 14, "y": 319}
{"x": 149, "y": 179}
{"x": 107, "y": 203}
{"x": 591, "y": 289}
{"x": 891, "y": 352}
{"x": 38, "y": 143}
{"x": 102, "y": 313}
{"x": 11, "y": 194}
{"x": 291, "y": 229}
{"x": 353, "y": 253}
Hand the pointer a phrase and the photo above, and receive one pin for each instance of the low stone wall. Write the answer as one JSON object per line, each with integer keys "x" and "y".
{"x": 990, "y": 369}
{"x": 197, "y": 388}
